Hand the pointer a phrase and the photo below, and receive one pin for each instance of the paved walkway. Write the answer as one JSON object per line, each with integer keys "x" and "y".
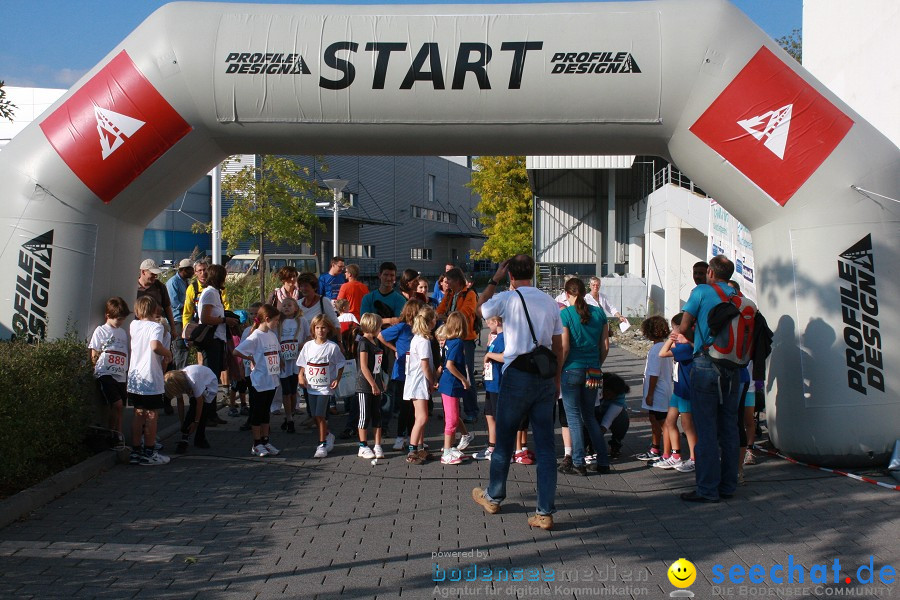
{"x": 221, "y": 524}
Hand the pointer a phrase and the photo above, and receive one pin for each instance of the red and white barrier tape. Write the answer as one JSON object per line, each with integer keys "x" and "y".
{"x": 896, "y": 488}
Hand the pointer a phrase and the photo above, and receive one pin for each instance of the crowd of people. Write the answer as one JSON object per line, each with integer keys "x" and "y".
{"x": 386, "y": 352}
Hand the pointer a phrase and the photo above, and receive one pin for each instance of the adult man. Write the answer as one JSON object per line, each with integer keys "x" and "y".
{"x": 714, "y": 393}
{"x": 461, "y": 298}
{"x": 330, "y": 283}
{"x": 522, "y": 392}
{"x": 192, "y": 295}
{"x": 354, "y": 290}
{"x": 150, "y": 285}
{"x": 438, "y": 293}
{"x": 385, "y": 301}
{"x": 699, "y": 272}
{"x": 177, "y": 287}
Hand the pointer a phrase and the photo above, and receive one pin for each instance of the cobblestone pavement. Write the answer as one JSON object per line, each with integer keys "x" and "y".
{"x": 219, "y": 523}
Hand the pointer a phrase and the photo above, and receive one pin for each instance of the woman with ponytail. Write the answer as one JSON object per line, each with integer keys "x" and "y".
{"x": 585, "y": 342}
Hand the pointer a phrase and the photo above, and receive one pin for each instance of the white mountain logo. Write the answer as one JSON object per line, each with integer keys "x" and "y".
{"x": 114, "y": 129}
{"x": 773, "y": 126}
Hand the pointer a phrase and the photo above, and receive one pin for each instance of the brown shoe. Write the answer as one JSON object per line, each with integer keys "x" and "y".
{"x": 489, "y": 507}
{"x": 413, "y": 458}
{"x": 542, "y": 521}
{"x": 422, "y": 454}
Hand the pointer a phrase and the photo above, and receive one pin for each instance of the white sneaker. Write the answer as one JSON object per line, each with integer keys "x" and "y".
{"x": 379, "y": 452}
{"x": 448, "y": 458}
{"x": 667, "y": 463}
{"x": 154, "y": 459}
{"x": 590, "y": 459}
{"x": 686, "y": 466}
{"x": 455, "y": 452}
{"x": 365, "y": 452}
{"x": 400, "y": 443}
{"x": 329, "y": 442}
{"x": 321, "y": 451}
{"x": 465, "y": 440}
{"x": 259, "y": 450}
{"x": 272, "y": 449}
{"x": 483, "y": 454}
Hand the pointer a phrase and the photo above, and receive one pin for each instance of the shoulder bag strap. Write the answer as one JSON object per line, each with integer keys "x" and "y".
{"x": 528, "y": 318}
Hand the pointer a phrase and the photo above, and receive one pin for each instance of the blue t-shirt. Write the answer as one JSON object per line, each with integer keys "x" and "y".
{"x": 330, "y": 285}
{"x": 493, "y": 384}
{"x": 702, "y": 300}
{"x": 684, "y": 359}
{"x": 450, "y": 385}
{"x": 400, "y": 335}
{"x": 394, "y": 301}
{"x": 584, "y": 338}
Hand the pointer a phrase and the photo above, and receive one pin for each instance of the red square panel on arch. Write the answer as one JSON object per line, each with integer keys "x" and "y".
{"x": 114, "y": 127}
{"x": 772, "y": 126}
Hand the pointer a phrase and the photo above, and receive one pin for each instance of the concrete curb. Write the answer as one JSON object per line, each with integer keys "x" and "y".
{"x": 21, "y": 504}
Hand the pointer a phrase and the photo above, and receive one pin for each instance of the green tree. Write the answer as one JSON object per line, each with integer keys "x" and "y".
{"x": 274, "y": 201}
{"x": 6, "y": 107}
{"x": 793, "y": 44}
{"x": 505, "y": 207}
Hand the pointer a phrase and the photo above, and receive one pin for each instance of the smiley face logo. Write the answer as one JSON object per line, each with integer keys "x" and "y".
{"x": 682, "y": 573}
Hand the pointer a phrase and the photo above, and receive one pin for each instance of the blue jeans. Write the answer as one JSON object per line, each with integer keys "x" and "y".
{"x": 524, "y": 394}
{"x": 470, "y": 396}
{"x": 578, "y": 401}
{"x": 714, "y": 402}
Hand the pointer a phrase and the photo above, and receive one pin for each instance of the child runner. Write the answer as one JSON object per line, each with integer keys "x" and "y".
{"x": 240, "y": 388}
{"x": 397, "y": 338}
{"x": 201, "y": 385}
{"x": 679, "y": 348}
{"x": 345, "y": 317}
{"x": 493, "y": 369}
{"x": 149, "y": 358}
{"x": 262, "y": 349}
{"x": 109, "y": 353}
{"x": 419, "y": 382}
{"x": 369, "y": 384}
{"x": 452, "y": 385}
{"x": 611, "y": 413}
{"x": 657, "y": 383}
{"x": 322, "y": 364}
{"x": 293, "y": 330}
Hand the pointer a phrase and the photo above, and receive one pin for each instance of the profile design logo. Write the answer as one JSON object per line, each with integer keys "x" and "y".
{"x": 682, "y": 574}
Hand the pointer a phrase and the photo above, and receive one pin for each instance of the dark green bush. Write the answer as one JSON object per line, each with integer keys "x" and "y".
{"x": 46, "y": 404}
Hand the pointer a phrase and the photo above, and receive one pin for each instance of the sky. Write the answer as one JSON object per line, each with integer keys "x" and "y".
{"x": 52, "y": 43}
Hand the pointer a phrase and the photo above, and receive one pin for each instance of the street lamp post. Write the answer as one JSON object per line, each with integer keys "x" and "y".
{"x": 336, "y": 186}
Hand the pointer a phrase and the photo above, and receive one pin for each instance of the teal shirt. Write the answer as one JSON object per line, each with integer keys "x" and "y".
{"x": 584, "y": 338}
{"x": 702, "y": 299}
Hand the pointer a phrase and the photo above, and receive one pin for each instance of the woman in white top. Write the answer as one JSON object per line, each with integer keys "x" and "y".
{"x": 212, "y": 312}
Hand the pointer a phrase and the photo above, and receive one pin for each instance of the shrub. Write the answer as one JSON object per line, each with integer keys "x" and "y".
{"x": 244, "y": 291}
{"x": 46, "y": 404}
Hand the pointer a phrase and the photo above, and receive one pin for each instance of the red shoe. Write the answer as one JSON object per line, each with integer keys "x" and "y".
{"x": 522, "y": 458}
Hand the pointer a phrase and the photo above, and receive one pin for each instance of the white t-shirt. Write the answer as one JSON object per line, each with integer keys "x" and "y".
{"x": 145, "y": 374}
{"x": 212, "y": 297}
{"x": 315, "y": 309}
{"x": 263, "y": 346}
{"x": 204, "y": 383}
{"x": 604, "y": 303}
{"x": 662, "y": 368}
{"x": 248, "y": 365}
{"x": 321, "y": 363}
{"x": 294, "y": 332}
{"x": 348, "y": 317}
{"x": 416, "y": 386}
{"x": 112, "y": 344}
{"x": 542, "y": 309}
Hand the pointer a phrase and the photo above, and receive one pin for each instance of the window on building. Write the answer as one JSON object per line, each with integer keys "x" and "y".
{"x": 420, "y": 253}
{"x": 356, "y": 250}
{"x": 475, "y": 223}
{"x": 431, "y": 180}
{"x": 430, "y": 214}
{"x": 349, "y": 198}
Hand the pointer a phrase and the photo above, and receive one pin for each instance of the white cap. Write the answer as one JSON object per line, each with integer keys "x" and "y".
{"x": 150, "y": 265}
{"x": 185, "y": 263}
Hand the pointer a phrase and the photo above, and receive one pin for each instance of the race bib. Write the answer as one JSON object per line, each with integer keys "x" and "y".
{"x": 289, "y": 350}
{"x": 488, "y": 371}
{"x": 317, "y": 375}
{"x": 113, "y": 362}
{"x": 273, "y": 363}
{"x": 377, "y": 369}
{"x": 406, "y": 366}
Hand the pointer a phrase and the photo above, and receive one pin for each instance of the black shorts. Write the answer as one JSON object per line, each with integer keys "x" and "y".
{"x": 490, "y": 403}
{"x": 657, "y": 415}
{"x": 110, "y": 391}
{"x": 289, "y": 384}
{"x": 241, "y": 386}
{"x": 152, "y": 402}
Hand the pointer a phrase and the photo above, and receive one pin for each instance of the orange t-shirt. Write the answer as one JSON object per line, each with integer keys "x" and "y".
{"x": 354, "y": 291}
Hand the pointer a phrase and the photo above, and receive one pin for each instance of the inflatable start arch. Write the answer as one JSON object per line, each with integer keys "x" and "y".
{"x": 691, "y": 80}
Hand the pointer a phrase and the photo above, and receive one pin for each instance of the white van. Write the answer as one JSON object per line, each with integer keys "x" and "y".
{"x": 248, "y": 264}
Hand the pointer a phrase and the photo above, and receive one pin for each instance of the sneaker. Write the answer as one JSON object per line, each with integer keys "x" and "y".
{"x": 321, "y": 451}
{"x": 455, "y": 452}
{"x": 365, "y": 452}
{"x": 571, "y": 469}
{"x": 259, "y": 450}
{"x": 379, "y": 451}
{"x": 590, "y": 459}
{"x": 272, "y": 449}
{"x": 245, "y": 411}
{"x": 483, "y": 454}
{"x": 465, "y": 440}
{"x": 545, "y": 522}
{"x": 749, "y": 459}
{"x": 234, "y": 412}
{"x": 686, "y": 466}
{"x": 413, "y": 458}
{"x": 488, "y": 506}
{"x": 400, "y": 443}
{"x": 667, "y": 463}
{"x": 154, "y": 458}
{"x": 134, "y": 458}
{"x": 566, "y": 461}
{"x": 329, "y": 442}
{"x": 450, "y": 459}
{"x": 648, "y": 456}
{"x": 522, "y": 458}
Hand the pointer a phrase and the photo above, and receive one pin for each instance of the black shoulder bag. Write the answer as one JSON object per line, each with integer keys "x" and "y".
{"x": 541, "y": 361}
